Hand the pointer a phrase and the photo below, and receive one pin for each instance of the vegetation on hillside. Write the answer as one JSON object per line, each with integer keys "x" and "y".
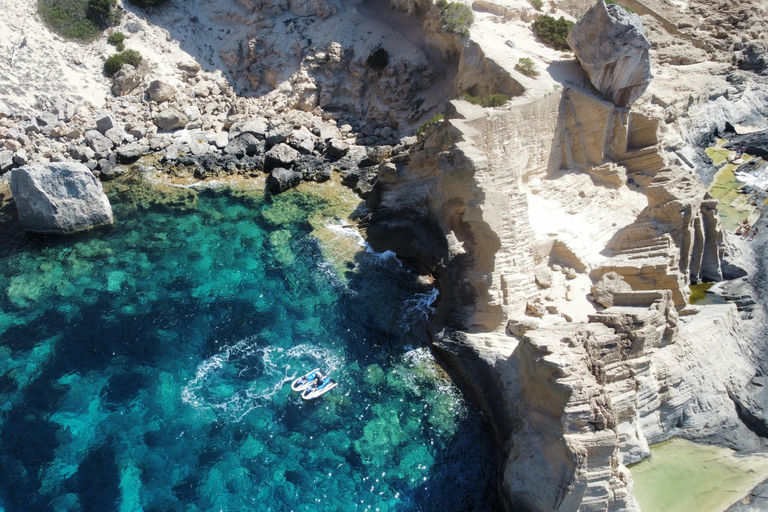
{"x": 526, "y": 67}
{"x": 536, "y": 4}
{"x": 493, "y": 100}
{"x": 553, "y": 32}
{"x": 114, "y": 62}
{"x": 628, "y": 9}
{"x": 456, "y": 17}
{"x": 117, "y": 38}
{"x": 79, "y": 20}
{"x": 437, "y": 118}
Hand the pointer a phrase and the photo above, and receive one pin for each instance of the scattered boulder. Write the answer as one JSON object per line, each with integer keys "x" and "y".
{"x": 543, "y": 276}
{"x": 129, "y": 78}
{"x": 257, "y": 126}
{"x": 131, "y": 152}
{"x": 279, "y": 134}
{"x": 281, "y": 179}
{"x": 610, "y": 283}
{"x": 6, "y": 160}
{"x": 337, "y": 148}
{"x": 160, "y": 91}
{"x": 116, "y": 135}
{"x": 536, "y": 307}
{"x": 378, "y": 154}
{"x": 101, "y": 145}
{"x": 64, "y": 109}
{"x": 59, "y": 198}
{"x": 245, "y": 144}
{"x": 519, "y": 326}
{"x": 47, "y": 119}
{"x": 281, "y": 155}
{"x": 105, "y": 123}
{"x": 20, "y": 157}
{"x": 612, "y": 47}
{"x": 171, "y": 119}
{"x": 221, "y": 139}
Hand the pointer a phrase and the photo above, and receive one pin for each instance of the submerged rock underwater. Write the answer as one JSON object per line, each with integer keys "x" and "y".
{"x": 147, "y": 366}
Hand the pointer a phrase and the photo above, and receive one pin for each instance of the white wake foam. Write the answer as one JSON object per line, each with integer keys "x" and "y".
{"x": 246, "y": 376}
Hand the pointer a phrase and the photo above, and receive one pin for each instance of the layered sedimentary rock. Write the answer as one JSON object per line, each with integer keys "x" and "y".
{"x": 574, "y": 390}
{"x": 612, "y": 47}
{"x": 59, "y": 198}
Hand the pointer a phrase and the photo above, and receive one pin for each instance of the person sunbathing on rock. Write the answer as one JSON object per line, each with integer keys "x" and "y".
{"x": 754, "y": 233}
{"x": 740, "y": 230}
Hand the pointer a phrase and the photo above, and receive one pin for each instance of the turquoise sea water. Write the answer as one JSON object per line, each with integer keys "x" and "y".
{"x": 148, "y": 366}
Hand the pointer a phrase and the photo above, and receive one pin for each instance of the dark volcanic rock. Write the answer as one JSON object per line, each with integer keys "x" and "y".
{"x": 756, "y": 143}
{"x": 281, "y": 179}
{"x": 362, "y": 180}
{"x": 313, "y": 168}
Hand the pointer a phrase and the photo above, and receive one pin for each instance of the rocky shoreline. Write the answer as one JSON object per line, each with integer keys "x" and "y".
{"x": 564, "y": 230}
{"x": 207, "y": 133}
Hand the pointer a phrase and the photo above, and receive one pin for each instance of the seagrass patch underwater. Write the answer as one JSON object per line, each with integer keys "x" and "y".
{"x": 148, "y": 367}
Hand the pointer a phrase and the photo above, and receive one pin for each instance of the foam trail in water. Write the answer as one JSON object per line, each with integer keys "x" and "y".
{"x": 344, "y": 229}
{"x": 246, "y": 376}
{"x": 419, "y": 308}
{"x": 756, "y": 177}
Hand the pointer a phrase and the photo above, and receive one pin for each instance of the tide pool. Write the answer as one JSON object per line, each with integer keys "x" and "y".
{"x": 682, "y": 476}
{"x": 147, "y": 366}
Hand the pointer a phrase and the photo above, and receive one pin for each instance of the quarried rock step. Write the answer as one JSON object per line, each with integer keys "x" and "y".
{"x": 61, "y": 198}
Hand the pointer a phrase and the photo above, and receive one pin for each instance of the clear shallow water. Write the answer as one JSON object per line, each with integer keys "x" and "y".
{"x": 682, "y": 476}
{"x": 147, "y": 367}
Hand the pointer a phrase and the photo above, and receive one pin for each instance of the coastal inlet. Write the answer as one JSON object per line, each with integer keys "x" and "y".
{"x": 147, "y": 366}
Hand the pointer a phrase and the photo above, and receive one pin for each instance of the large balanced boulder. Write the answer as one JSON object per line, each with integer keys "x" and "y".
{"x": 612, "y": 47}
{"x": 62, "y": 198}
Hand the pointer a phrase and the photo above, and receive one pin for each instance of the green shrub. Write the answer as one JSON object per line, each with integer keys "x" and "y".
{"x": 378, "y": 59}
{"x": 537, "y": 4}
{"x": 493, "y": 100}
{"x": 456, "y": 17}
{"x": 114, "y": 62}
{"x": 526, "y": 67}
{"x": 437, "y": 118}
{"x": 80, "y": 20}
{"x": 117, "y": 38}
{"x": 147, "y": 3}
{"x": 628, "y": 9}
{"x": 553, "y": 32}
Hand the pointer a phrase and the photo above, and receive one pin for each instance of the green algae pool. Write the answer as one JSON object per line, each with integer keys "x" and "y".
{"x": 682, "y": 476}
{"x": 147, "y": 366}
{"x": 733, "y": 206}
{"x": 700, "y": 296}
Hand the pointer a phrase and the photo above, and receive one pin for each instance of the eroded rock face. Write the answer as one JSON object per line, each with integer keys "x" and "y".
{"x": 612, "y": 47}
{"x": 60, "y": 198}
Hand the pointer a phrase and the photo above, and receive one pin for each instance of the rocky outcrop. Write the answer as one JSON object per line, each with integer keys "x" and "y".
{"x": 612, "y": 47}
{"x": 572, "y": 391}
{"x": 59, "y": 198}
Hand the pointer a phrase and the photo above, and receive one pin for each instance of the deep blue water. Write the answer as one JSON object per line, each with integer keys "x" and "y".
{"x": 147, "y": 367}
